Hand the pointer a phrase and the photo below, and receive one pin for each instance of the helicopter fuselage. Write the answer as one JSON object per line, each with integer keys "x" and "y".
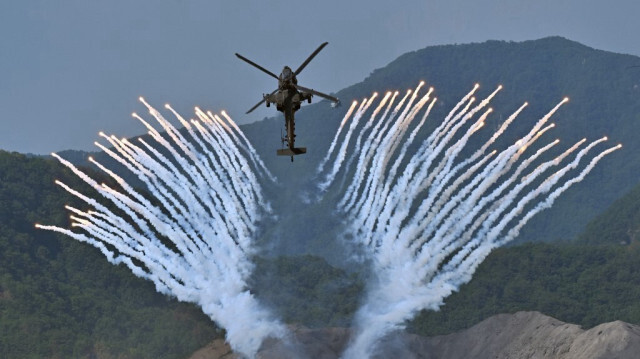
{"x": 287, "y": 101}
{"x": 288, "y": 98}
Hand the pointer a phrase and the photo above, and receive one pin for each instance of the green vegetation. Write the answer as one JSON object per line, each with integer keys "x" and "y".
{"x": 576, "y": 281}
{"x": 619, "y": 224}
{"x": 60, "y": 298}
{"x": 585, "y": 285}
{"x": 307, "y": 290}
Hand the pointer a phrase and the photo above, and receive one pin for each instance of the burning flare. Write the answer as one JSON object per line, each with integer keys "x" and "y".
{"x": 427, "y": 227}
{"x": 195, "y": 240}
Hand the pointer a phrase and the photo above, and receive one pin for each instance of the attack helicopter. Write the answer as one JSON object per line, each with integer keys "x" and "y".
{"x": 287, "y": 99}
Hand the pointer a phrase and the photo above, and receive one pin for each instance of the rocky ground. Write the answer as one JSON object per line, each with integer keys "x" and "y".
{"x": 514, "y": 336}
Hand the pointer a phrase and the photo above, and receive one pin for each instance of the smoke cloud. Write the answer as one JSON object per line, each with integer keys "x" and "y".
{"x": 195, "y": 243}
{"x": 425, "y": 213}
{"x": 426, "y": 228}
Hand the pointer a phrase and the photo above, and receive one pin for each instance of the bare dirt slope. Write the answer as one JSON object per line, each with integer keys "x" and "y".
{"x": 534, "y": 335}
{"x": 514, "y": 336}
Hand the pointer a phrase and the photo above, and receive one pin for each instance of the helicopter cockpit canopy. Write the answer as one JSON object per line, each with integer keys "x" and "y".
{"x": 287, "y": 76}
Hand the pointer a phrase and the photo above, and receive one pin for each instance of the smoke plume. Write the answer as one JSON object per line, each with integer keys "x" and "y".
{"x": 427, "y": 219}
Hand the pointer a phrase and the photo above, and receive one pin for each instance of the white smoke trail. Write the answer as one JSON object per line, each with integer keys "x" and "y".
{"x": 460, "y": 240}
{"x": 428, "y": 221}
{"x": 443, "y": 170}
{"x": 335, "y": 138}
{"x": 345, "y": 143}
{"x": 367, "y": 126}
{"x": 418, "y": 157}
{"x": 254, "y": 155}
{"x": 375, "y": 144}
{"x": 364, "y": 158}
{"x": 383, "y": 141}
{"x": 194, "y": 241}
{"x": 381, "y": 196}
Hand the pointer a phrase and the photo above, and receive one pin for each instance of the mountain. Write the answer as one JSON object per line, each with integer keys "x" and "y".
{"x": 603, "y": 92}
{"x": 62, "y": 298}
{"x": 603, "y": 95}
{"x": 514, "y": 336}
{"x": 619, "y": 224}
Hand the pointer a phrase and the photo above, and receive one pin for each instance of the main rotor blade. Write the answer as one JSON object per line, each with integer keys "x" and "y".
{"x": 256, "y": 106}
{"x": 256, "y": 66}
{"x": 328, "y": 97}
{"x": 306, "y": 62}
{"x": 260, "y": 103}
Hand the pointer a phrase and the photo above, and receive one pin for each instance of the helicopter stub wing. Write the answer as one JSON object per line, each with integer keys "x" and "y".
{"x": 317, "y": 93}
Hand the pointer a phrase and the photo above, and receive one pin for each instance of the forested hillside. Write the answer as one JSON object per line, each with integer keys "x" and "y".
{"x": 60, "y": 298}
{"x": 619, "y": 224}
{"x": 585, "y": 285}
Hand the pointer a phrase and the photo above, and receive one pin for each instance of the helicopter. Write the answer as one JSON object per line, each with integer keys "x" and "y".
{"x": 287, "y": 99}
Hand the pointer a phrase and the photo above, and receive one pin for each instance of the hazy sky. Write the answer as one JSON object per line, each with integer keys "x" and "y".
{"x": 70, "y": 68}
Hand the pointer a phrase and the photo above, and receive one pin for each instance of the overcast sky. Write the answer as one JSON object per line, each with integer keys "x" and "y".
{"x": 70, "y": 68}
